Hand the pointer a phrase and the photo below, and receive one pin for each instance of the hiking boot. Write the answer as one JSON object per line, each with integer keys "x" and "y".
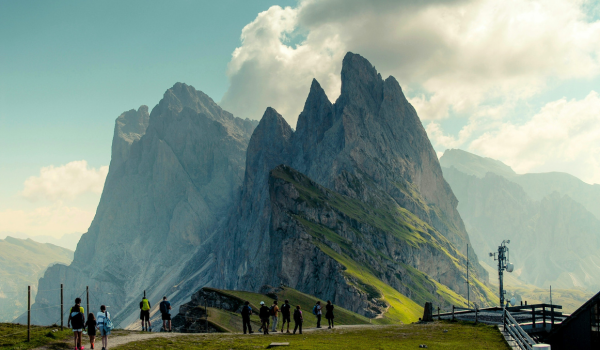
{"x": 149, "y": 328}
{"x": 288, "y": 331}
{"x": 329, "y": 327}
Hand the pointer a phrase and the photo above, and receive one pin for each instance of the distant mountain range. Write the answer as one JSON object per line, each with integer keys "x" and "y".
{"x": 552, "y": 219}
{"x": 22, "y": 263}
{"x": 351, "y": 206}
{"x": 68, "y": 241}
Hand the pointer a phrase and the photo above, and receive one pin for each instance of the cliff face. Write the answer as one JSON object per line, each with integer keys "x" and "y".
{"x": 369, "y": 147}
{"x": 172, "y": 178}
{"x": 554, "y": 238}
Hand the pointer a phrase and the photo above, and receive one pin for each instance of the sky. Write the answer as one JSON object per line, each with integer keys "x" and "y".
{"x": 517, "y": 81}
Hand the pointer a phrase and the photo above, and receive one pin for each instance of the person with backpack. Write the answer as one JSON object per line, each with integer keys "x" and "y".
{"x": 246, "y": 313}
{"x": 285, "y": 315}
{"x": 104, "y": 324}
{"x": 76, "y": 320}
{"x": 329, "y": 313}
{"x": 90, "y": 325}
{"x": 298, "y": 319}
{"x": 274, "y": 314}
{"x": 317, "y": 312}
{"x": 165, "y": 310}
{"x": 264, "y": 313}
{"x": 145, "y": 314}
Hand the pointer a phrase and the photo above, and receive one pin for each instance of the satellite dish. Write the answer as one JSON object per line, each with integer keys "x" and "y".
{"x": 513, "y": 301}
{"x": 510, "y": 267}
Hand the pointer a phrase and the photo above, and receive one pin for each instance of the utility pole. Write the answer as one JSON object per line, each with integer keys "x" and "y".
{"x": 503, "y": 264}
{"x": 468, "y": 296}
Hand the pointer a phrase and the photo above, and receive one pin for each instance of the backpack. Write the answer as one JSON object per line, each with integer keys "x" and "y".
{"x": 163, "y": 307}
{"x": 272, "y": 310}
{"x": 107, "y": 325}
{"x": 246, "y": 310}
{"x": 77, "y": 320}
{"x": 315, "y": 310}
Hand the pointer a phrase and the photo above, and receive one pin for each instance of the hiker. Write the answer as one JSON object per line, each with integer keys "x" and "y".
{"x": 264, "y": 314}
{"x": 274, "y": 314}
{"x": 246, "y": 312}
{"x": 298, "y": 319}
{"x": 317, "y": 312}
{"x": 329, "y": 313}
{"x": 90, "y": 325}
{"x": 285, "y": 315}
{"x": 165, "y": 310}
{"x": 77, "y": 321}
{"x": 103, "y": 318}
{"x": 145, "y": 314}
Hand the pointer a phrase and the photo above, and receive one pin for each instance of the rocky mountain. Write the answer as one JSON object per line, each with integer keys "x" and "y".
{"x": 352, "y": 206}
{"x": 359, "y": 213}
{"x": 68, "y": 240}
{"x": 22, "y": 263}
{"x": 554, "y": 237}
{"x": 173, "y": 175}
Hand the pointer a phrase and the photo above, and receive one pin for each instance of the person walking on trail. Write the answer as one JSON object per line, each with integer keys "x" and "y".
{"x": 285, "y": 315}
{"x": 90, "y": 325}
{"x": 317, "y": 311}
{"x": 145, "y": 314}
{"x": 264, "y": 314}
{"x": 275, "y": 315}
{"x": 165, "y": 310}
{"x": 103, "y": 318}
{"x": 329, "y": 313}
{"x": 298, "y": 319}
{"x": 76, "y": 320}
{"x": 246, "y": 313}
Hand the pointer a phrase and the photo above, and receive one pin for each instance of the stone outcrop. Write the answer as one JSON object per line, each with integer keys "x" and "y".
{"x": 369, "y": 146}
{"x": 173, "y": 176}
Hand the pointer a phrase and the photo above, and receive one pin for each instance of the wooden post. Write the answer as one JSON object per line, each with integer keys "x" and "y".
{"x": 544, "y": 316}
{"x": 62, "y": 312}
{"x": 533, "y": 317}
{"x": 144, "y": 293}
{"x": 551, "y": 316}
{"x": 438, "y": 313}
{"x": 28, "y": 313}
{"x": 87, "y": 297}
{"x": 452, "y": 312}
{"x": 476, "y": 313}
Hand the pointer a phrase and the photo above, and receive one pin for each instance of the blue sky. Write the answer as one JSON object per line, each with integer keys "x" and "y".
{"x": 515, "y": 80}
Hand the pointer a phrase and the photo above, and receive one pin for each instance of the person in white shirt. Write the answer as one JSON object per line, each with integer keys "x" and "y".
{"x": 100, "y": 318}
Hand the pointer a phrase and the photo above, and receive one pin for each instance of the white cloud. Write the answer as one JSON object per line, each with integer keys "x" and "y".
{"x": 461, "y": 54}
{"x": 54, "y": 220}
{"x": 563, "y": 136}
{"x": 65, "y": 182}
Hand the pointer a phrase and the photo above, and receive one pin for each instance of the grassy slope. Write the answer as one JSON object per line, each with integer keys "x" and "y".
{"x": 22, "y": 263}
{"x": 306, "y": 302}
{"x": 389, "y": 218}
{"x": 458, "y": 336}
{"x": 39, "y": 336}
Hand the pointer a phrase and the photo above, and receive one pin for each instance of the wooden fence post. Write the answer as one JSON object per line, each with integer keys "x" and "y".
{"x": 28, "y": 313}
{"x": 62, "y": 311}
{"x": 452, "y": 312}
{"x": 87, "y": 297}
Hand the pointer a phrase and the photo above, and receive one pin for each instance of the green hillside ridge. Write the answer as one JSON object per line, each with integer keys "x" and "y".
{"x": 385, "y": 216}
{"x": 22, "y": 263}
{"x": 306, "y": 302}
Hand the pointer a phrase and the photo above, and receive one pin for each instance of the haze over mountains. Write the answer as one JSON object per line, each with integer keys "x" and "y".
{"x": 352, "y": 206}
{"x": 22, "y": 263}
{"x": 552, "y": 219}
{"x": 68, "y": 240}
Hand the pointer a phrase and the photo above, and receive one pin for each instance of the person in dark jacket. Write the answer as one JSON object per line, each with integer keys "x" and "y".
{"x": 329, "y": 313}
{"x": 298, "y": 319}
{"x": 264, "y": 314}
{"x": 318, "y": 312}
{"x": 90, "y": 325}
{"x": 285, "y": 314}
{"x": 246, "y": 313}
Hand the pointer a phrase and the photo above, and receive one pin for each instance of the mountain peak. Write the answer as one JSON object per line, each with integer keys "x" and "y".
{"x": 361, "y": 84}
{"x": 473, "y": 164}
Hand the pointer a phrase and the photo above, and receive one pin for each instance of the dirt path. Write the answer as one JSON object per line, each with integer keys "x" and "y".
{"x": 133, "y": 337}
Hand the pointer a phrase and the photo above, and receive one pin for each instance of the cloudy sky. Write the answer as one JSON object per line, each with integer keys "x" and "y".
{"x": 517, "y": 81}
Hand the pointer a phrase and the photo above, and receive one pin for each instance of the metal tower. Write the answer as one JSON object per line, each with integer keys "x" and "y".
{"x": 503, "y": 264}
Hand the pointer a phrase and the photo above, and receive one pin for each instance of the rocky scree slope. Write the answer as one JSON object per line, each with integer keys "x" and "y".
{"x": 173, "y": 175}
{"x": 369, "y": 148}
{"x": 554, "y": 239}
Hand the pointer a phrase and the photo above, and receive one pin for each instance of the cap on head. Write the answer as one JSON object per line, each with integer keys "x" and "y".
{"x": 262, "y": 303}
